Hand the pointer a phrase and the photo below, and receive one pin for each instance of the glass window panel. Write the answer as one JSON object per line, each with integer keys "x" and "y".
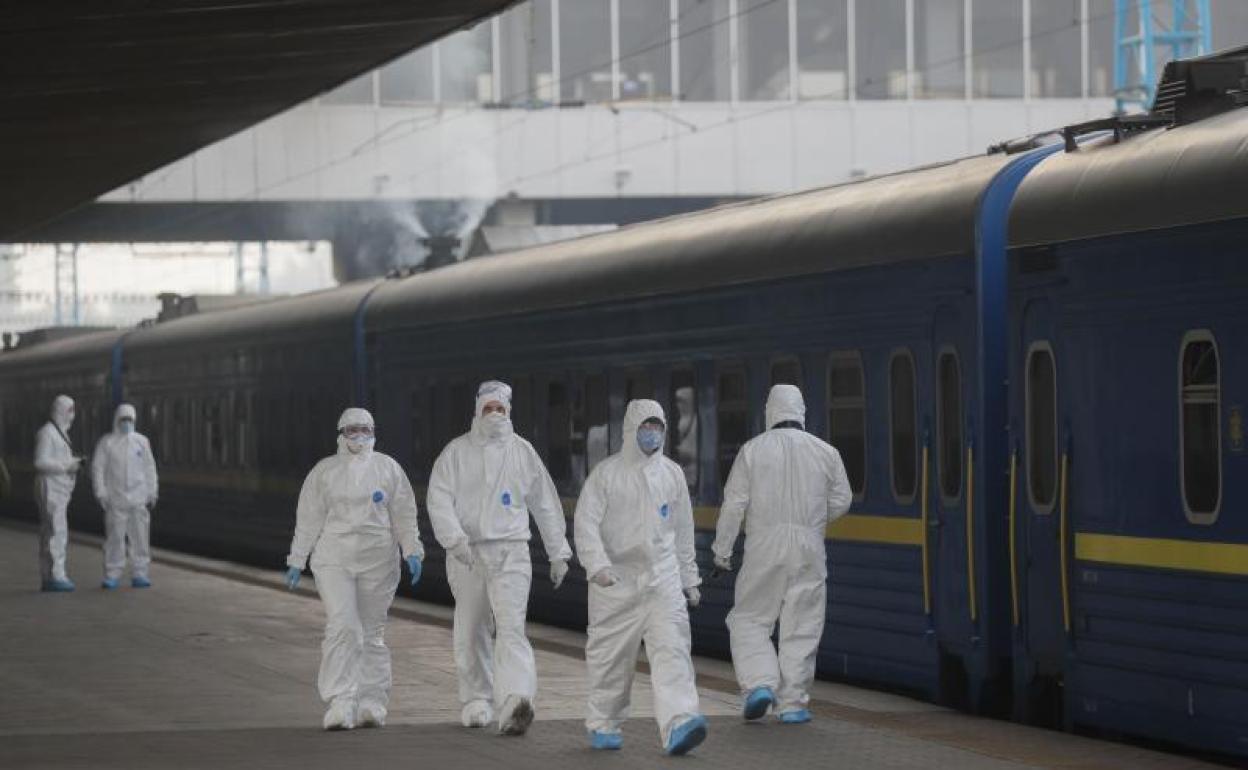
{"x": 764, "y": 55}
{"x": 997, "y": 43}
{"x": 559, "y": 433}
{"x": 590, "y": 427}
{"x": 637, "y": 384}
{"x": 1041, "y": 428}
{"x": 904, "y": 439}
{"x": 939, "y": 49}
{"x": 356, "y": 91}
{"x": 465, "y": 65}
{"x": 787, "y": 371}
{"x": 522, "y": 406}
{"x": 822, "y": 58}
{"x": 881, "y": 49}
{"x": 1055, "y": 42}
{"x": 585, "y": 50}
{"x": 732, "y": 413}
{"x": 1100, "y": 47}
{"x": 683, "y": 431}
{"x": 704, "y": 52}
{"x": 645, "y": 49}
{"x": 408, "y": 79}
{"x": 1202, "y": 462}
{"x": 949, "y": 424}
{"x": 847, "y": 416}
{"x": 524, "y": 50}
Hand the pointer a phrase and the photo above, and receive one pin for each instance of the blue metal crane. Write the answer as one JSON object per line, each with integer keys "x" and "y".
{"x": 1142, "y": 48}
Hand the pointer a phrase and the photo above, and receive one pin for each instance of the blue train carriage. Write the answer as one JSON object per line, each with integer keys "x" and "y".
{"x": 239, "y": 405}
{"x": 1130, "y": 539}
{"x": 864, "y": 294}
{"x": 82, "y": 366}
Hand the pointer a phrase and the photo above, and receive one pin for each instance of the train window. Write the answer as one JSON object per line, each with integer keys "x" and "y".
{"x": 589, "y": 428}
{"x": 558, "y": 432}
{"x": 732, "y": 413}
{"x": 1041, "y": 396}
{"x": 682, "y": 432}
{"x": 419, "y": 406}
{"x": 949, "y": 423}
{"x": 637, "y": 384}
{"x": 522, "y": 406}
{"x": 242, "y": 446}
{"x": 903, "y": 423}
{"x": 847, "y": 416}
{"x": 787, "y": 371}
{"x": 463, "y": 401}
{"x": 1200, "y": 429}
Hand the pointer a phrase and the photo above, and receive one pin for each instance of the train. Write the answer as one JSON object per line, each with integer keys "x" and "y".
{"x": 1034, "y": 363}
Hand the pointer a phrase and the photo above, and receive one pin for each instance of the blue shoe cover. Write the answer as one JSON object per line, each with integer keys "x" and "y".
{"x": 605, "y": 741}
{"x": 795, "y": 717}
{"x": 686, "y": 735}
{"x": 140, "y": 582}
{"x": 109, "y": 584}
{"x": 757, "y": 702}
{"x": 59, "y": 586}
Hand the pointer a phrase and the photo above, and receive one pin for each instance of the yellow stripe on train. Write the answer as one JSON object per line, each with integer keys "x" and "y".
{"x": 857, "y": 527}
{"x": 1160, "y": 553}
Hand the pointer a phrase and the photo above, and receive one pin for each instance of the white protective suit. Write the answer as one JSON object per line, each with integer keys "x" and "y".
{"x": 356, "y": 513}
{"x": 123, "y": 477}
{"x": 484, "y": 487}
{"x": 789, "y": 485}
{"x": 56, "y": 470}
{"x": 634, "y": 519}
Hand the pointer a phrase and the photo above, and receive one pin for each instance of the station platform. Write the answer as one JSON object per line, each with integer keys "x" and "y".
{"x": 215, "y": 666}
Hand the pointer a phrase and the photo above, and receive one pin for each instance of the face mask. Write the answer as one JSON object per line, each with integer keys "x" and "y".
{"x": 496, "y": 425}
{"x": 127, "y": 426}
{"x": 360, "y": 444}
{"x": 649, "y": 439}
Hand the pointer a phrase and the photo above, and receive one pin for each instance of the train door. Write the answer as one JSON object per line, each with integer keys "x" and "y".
{"x": 1039, "y": 532}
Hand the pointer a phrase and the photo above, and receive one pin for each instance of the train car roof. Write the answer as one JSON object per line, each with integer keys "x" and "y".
{"x": 1187, "y": 174}
{"x": 330, "y": 309}
{"x": 919, "y": 214}
{"x": 67, "y": 352}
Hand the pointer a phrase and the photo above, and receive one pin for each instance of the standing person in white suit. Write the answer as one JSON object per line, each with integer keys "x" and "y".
{"x": 634, "y": 536}
{"x": 484, "y": 487}
{"x": 56, "y": 471}
{"x": 123, "y": 477}
{"x": 356, "y": 515}
{"x": 788, "y": 485}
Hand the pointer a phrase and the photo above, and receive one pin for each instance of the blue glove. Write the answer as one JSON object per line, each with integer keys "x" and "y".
{"x": 292, "y": 577}
{"x": 413, "y": 566}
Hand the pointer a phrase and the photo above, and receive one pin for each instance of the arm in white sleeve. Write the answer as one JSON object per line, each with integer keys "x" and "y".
{"x": 441, "y": 502}
{"x": 98, "y": 458}
{"x": 591, "y": 507}
{"x": 309, "y": 519}
{"x": 840, "y": 494}
{"x": 732, "y": 511}
{"x": 686, "y": 549}
{"x": 403, "y": 514}
{"x": 45, "y": 456}
{"x": 546, "y": 508}
{"x": 149, "y": 471}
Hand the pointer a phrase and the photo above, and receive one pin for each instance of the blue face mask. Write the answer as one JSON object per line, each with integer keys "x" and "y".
{"x": 127, "y": 426}
{"x": 649, "y": 439}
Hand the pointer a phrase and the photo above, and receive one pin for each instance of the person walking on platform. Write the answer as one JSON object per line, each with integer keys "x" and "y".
{"x": 123, "y": 476}
{"x": 634, "y": 536}
{"x": 56, "y": 471}
{"x": 356, "y": 515}
{"x": 788, "y": 485}
{"x": 484, "y": 487}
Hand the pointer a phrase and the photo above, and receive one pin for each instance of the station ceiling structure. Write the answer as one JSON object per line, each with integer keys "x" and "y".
{"x": 93, "y": 95}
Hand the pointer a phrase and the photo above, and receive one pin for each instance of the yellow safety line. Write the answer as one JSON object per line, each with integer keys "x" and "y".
{"x": 1013, "y": 535}
{"x": 1062, "y": 543}
{"x": 970, "y": 531}
{"x": 927, "y": 580}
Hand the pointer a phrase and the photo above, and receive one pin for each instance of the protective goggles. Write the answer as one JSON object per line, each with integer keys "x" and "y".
{"x": 358, "y": 431}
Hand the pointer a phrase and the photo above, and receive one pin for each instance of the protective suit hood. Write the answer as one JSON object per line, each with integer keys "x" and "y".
{"x": 354, "y": 416}
{"x": 639, "y": 410}
{"x": 784, "y": 404}
{"x": 61, "y": 407}
{"x": 491, "y": 428}
{"x": 122, "y": 412}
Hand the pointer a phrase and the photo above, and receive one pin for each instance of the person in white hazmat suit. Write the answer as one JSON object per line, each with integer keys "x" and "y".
{"x": 356, "y": 515}
{"x": 56, "y": 471}
{"x": 123, "y": 477}
{"x": 788, "y": 485}
{"x": 484, "y": 486}
{"x": 634, "y": 536}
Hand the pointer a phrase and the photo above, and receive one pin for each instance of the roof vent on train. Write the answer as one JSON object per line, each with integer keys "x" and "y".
{"x": 1194, "y": 89}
